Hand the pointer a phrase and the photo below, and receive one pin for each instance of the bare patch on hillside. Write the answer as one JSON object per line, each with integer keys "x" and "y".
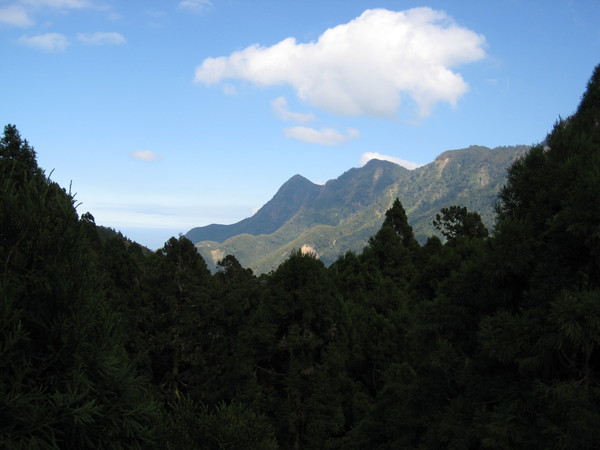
{"x": 441, "y": 164}
{"x": 308, "y": 250}
{"x": 216, "y": 255}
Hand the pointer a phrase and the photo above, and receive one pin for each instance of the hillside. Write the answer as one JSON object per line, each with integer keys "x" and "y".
{"x": 342, "y": 214}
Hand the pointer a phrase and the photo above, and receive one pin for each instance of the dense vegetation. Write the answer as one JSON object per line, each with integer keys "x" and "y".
{"x": 480, "y": 341}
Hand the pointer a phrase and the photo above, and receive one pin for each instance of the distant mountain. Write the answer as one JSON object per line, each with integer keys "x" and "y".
{"x": 288, "y": 200}
{"x": 342, "y": 214}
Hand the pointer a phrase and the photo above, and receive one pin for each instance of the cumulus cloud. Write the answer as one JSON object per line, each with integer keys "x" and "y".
{"x": 15, "y": 15}
{"x": 280, "y": 108}
{"x": 49, "y": 42}
{"x": 365, "y": 67}
{"x": 195, "y": 6}
{"x": 145, "y": 155}
{"x": 366, "y": 157}
{"x": 324, "y": 136}
{"x": 102, "y": 38}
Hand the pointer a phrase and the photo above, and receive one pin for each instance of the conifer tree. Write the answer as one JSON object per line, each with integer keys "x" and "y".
{"x": 546, "y": 271}
{"x": 14, "y": 148}
{"x": 175, "y": 293}
{"x": 65, "y": 381}
{"x": 456, "y": 221}
{"x": 392, "y": 249}
{"x": 301, "y": 348}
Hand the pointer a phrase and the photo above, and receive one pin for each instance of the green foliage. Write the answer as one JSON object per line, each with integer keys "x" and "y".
{"x": 456, "y": 221}
{"x": 17, "y": 150}
{"x": 66, "y": 381}
{"x": 393, "y": 247}
{"x": 300, "y": 346}
{"x": 545, "y": 285}
{"x": 395, "y": 218}
{"x": 187, "y": 425}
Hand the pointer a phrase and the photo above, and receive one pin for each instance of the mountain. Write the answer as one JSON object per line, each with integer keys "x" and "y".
{"x": 288, "y": 200}
{"x": 341, "y": 215}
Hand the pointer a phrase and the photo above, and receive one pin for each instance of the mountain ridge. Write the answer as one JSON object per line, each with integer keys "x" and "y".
{"x": 342, "y": 214}
{"x": 270, "y": 217}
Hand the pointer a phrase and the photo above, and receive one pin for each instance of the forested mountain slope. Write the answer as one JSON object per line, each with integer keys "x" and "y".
{"x": 341, "y": 215}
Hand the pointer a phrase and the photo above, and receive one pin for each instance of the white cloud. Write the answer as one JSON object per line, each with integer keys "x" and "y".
{"x": 365, "y": 67}
{"x": 366, "y": 157}
{"x": 19, "y": 13}
{"x": 195, "y": 6}
{"x": 57, "y": 3}
{"x": 145, "y": 155}
{"x": 49, "y": 42}
{"x": 102, "y": 38}
{"x": 15, "y": 15}
{"x": 324, "y": 136}
{"x": 280, "y": 107}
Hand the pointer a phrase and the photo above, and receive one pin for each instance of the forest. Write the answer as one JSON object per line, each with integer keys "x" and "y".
{"x": 482, "y": 339}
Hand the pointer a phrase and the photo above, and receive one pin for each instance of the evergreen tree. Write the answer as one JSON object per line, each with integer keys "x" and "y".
{"x": 175, "y": 293}
{"x": 546, "y": 271}
{"x": 392, "y": 249}
{"x": 65, "y": 381}
{"x": 395, "y": 218}
{"x": 235, "y": 298}
{"x": 191, "y": 425}
{"x": 301, "y": 348}
{"x": 14, "y": 148}
{"x": 456, "y": 221}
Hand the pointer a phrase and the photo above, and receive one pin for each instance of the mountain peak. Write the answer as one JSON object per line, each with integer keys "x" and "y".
{"x": 374, "y": 163}
{"x": 296, "y": 182}
{"x": 299, "y": 179}
{"x": 288, "y": 200}
{"x": 378, "y": 161}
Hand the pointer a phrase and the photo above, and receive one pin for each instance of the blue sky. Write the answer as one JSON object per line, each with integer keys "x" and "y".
{"x": 165, "y": 115}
